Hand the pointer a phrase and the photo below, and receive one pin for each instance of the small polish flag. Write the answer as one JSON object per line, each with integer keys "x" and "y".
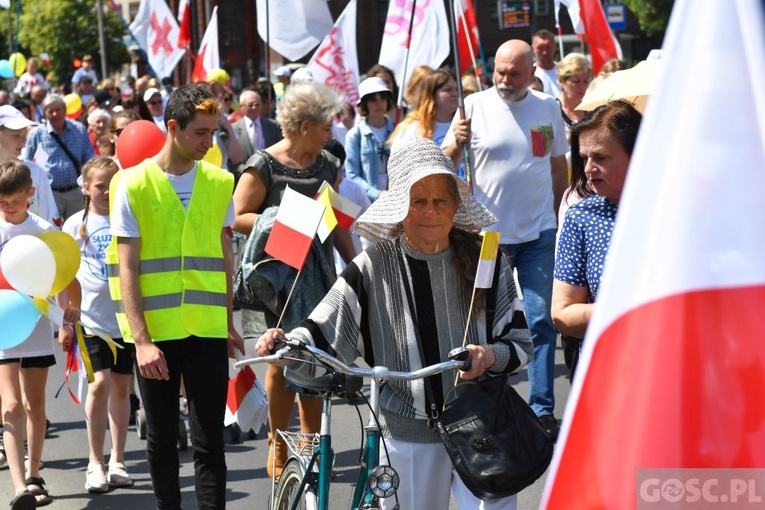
{"x": 485, "y": 272}
{"x": 329, "y": 220}
{"x": 246, "y": 403}
{"x": 294, "y": 227}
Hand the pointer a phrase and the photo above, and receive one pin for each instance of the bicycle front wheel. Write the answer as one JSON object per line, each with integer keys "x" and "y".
{"x": 288, "y": 489}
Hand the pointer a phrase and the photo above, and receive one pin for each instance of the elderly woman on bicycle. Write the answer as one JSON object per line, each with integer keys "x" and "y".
{"x": 427, "y": 229}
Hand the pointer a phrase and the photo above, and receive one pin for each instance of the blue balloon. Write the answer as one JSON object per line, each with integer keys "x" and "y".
{"x": 6, "y": 71}
{"x": 18, "y": 316}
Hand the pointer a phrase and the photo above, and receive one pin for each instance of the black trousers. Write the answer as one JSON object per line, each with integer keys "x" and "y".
{"x": 203, "y": 363}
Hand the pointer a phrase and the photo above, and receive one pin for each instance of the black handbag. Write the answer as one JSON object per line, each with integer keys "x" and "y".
{"x": 496, "y": 443}
{"x": 243, "y": 295}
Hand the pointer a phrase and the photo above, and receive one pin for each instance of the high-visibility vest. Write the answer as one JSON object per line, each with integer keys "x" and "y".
{"x": 182, "y": 276}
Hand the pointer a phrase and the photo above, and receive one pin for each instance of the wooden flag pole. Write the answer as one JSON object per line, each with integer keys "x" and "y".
{"x": 289, "y": 296}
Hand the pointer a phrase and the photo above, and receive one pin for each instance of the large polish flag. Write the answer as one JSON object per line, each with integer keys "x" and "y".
{"x": 294, "y": 228}
{"x": 673, "y": 367}
{"x": 209, "y": 54}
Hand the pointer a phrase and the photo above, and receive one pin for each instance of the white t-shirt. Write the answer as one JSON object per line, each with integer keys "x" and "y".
{"x": 549, "y": 80}
{"x": 353, "y": 191}
{"x": 42, "y": 202}
{"x": 510, "y": 154}
{"x": 412, "y": 132}
{"x": 40, "y": 342}
{"x": 97, "y": 306}
{"x": 124, "y": 222}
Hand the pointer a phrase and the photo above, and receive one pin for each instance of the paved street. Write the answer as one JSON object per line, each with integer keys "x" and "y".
{"x": 66, "y": 454}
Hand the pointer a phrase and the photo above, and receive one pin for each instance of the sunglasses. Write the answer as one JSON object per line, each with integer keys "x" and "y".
{"x": 118, "y": 131}
{"x": 155, "y": 102}
{"x": 228, "y": 99}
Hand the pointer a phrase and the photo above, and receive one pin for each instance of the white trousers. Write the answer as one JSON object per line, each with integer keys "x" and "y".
{"x": 427, "y": 479}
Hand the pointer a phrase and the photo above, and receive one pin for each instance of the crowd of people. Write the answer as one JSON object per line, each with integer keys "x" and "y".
{"x": 158, "y": 245}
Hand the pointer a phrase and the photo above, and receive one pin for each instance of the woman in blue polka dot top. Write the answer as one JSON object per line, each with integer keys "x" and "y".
{"x": 601, "y": 147}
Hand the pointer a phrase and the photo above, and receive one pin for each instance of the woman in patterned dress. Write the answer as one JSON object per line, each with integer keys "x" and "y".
{"x": 601, "y": 147}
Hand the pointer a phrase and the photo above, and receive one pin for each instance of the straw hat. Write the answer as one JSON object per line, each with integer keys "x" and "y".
{"x": 408, "y": 164}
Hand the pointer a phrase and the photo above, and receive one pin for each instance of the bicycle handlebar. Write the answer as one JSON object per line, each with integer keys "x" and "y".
{"x": 458, "y": 360}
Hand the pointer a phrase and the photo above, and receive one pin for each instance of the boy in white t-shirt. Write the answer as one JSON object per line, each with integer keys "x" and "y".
{"x": 28, "y": 361}
{"x": 13, "y": 138}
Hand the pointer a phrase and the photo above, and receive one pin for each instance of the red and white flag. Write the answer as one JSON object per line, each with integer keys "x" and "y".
{"x": 184, "y": 21}
{"x": 294, "y": 228}
{"x": 673, "y": 367}
{"x": 429, "y": 43}
{"x": 597, "y": 33}
{"x": 335, "y": 62}
{"x": 467, "y": 34}
{"x": 295, "y": 27}
{"x": 209, "y": 55}
{"x": 246, "y": 403}
{"x": 156, "y": 31}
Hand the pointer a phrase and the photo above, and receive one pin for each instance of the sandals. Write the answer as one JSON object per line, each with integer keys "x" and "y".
{"x": 40, "y": 493}
{"x": 24, "y": 500}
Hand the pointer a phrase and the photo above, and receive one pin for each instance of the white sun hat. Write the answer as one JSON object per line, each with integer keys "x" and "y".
{"x": 372, "y": 85}
{"x": 410, "y": 163}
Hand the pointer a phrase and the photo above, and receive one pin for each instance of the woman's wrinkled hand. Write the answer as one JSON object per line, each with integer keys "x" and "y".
{"x": 481, "y": 358}
{"x": 267, "y": 341}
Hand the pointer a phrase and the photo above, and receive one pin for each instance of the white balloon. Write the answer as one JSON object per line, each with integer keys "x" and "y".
{"x": 29, "y": 265}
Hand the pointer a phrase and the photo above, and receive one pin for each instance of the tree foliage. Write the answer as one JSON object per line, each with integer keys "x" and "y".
{"x": 68, "y": 29}
{"x": 653, "y": 15}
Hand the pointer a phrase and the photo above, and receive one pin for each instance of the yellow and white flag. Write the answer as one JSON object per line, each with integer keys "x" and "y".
{"x": 485, "y": 272}
{"x": 329, "y": 220}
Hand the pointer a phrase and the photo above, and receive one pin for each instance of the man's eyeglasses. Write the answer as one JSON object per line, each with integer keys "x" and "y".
{"x": 155, "y": 102}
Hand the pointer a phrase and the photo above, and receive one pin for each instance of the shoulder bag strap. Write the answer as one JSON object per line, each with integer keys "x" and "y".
{"x": 68, "y": 153}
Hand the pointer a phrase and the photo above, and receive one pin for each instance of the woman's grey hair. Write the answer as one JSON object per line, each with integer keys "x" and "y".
{"x": 51, "y": 99}
{"x": 99, "y": 113}
{"x": 307, "y": 101}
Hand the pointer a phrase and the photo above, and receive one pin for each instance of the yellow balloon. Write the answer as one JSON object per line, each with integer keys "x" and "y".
{"x": 214, "y": 156}
{"x": 18, "y": 63}
{"x": 67, "y": 256}
{"x": 73, "y": 103}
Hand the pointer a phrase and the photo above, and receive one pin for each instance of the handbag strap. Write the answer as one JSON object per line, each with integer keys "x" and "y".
{"x": 67, "y": 152}
{"x": 433, "y": 412}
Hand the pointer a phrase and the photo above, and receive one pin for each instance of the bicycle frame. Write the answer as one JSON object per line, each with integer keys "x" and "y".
{"x": 363, "y": 498}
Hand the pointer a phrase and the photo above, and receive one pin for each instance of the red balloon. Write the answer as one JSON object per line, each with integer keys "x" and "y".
{"x": 140, "y": 140}
{"x": 3, "y": 282}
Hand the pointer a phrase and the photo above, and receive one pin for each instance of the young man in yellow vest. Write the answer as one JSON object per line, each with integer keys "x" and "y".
{"x": 170, "y": 279}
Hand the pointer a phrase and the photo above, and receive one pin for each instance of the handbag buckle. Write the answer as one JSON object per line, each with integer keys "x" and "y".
{"x": 433, "y": 417}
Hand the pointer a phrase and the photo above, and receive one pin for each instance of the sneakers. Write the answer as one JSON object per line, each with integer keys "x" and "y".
{"x": 3, "y": 458}
{"x": 551, "y": 425}
{"x": 118, "y": 475}
{"x": 95, "y": 478}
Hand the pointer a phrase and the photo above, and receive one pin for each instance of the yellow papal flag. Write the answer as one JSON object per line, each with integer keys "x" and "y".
{"x": 485, "y": 272}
